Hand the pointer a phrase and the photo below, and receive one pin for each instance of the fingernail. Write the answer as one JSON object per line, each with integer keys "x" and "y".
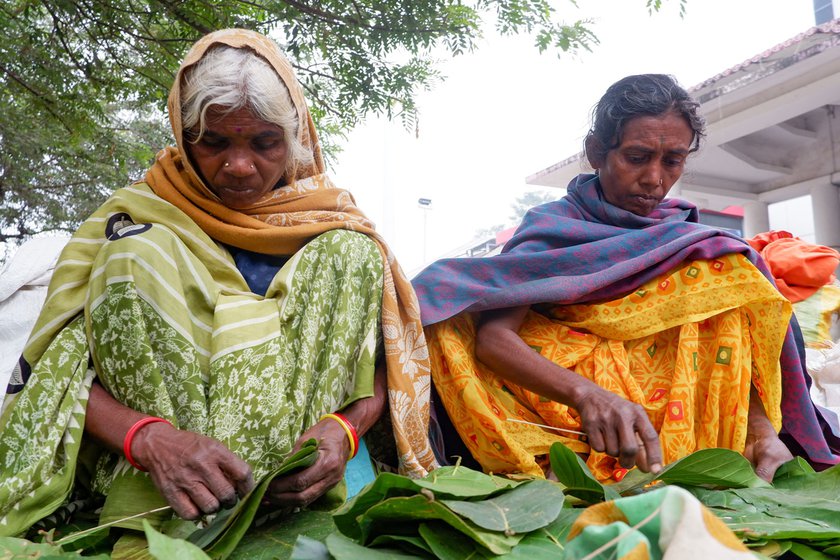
{"x": 655, "y": 468}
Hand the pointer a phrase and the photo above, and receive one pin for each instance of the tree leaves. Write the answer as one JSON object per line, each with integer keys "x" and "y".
{"x": 83, "y": 84}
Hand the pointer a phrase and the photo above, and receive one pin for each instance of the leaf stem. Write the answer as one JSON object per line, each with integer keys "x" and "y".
{"x": 73, "y": 536}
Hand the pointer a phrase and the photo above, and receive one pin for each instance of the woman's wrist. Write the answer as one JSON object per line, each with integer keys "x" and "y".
{"x": 146, "y": 440}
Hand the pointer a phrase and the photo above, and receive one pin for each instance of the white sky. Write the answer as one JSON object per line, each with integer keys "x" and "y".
{"x": 505, "y": 112}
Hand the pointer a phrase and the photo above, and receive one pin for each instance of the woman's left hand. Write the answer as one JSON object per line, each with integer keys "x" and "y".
{"x": 763, "y": 447}
{"x": 304, "y": 487}
{"x": 767, "y": 453}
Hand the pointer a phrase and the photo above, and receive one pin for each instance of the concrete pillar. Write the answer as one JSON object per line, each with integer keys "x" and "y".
{"x": 756, "y": 218}
{"x": 676, "y": 190}
{"x": 825, "y": 205}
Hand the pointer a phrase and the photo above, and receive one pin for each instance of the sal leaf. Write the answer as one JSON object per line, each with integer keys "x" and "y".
{"x": 576, "y": 477}
{"x": 527, "y": 507}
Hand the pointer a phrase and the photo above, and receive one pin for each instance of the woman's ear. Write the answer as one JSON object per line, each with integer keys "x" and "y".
{"x": 594, "y": 151}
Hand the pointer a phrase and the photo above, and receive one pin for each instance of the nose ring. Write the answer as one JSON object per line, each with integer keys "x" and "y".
{"x": 660, "y": 182}
{"x": 252, "y": 166}
{"x": 227, "y": 164}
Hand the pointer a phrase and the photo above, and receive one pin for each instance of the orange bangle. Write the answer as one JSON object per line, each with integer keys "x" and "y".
{"x": 348, "y": 429}
{"x": 130, "y": 436}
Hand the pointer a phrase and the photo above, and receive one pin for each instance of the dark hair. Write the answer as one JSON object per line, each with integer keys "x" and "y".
{"x": 639, "y": 96}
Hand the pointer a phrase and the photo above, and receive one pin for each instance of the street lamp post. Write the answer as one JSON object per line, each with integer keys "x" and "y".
{"x": 425, "y": 204}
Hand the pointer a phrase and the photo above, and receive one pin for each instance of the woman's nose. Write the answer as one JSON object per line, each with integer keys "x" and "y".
{"x": 652, "y": 177}
{"x": 239, "y": 164}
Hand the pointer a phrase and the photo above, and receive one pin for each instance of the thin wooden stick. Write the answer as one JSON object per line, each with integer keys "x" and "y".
{"x": 546, "y": 426}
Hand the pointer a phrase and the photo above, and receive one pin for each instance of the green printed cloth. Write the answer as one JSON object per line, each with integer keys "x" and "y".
{"x": 143, "y": 300}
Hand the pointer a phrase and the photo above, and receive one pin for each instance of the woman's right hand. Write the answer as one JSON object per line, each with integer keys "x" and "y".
{"x": 619, "y": 428}
{"x": 196, "y": 474}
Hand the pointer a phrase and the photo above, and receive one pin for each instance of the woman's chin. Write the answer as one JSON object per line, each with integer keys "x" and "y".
{"x": 238, "y": 199}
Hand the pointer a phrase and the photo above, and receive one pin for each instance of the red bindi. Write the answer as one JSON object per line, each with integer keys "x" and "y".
{"x": 238, "y": 130}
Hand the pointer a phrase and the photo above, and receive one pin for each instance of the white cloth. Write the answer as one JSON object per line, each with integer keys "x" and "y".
{"x": 23, "y": 287}
{"x": 824, "y": 367}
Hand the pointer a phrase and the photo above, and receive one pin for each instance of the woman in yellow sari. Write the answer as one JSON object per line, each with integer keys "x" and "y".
{"x": 615, "y": 323}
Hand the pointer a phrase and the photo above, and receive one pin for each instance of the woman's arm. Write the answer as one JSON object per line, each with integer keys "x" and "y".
{"x": 614, "y": 425}
{"x": 763, "y": 448}
{"x": 196, "y": 474}
{"x": 305, "y": 487}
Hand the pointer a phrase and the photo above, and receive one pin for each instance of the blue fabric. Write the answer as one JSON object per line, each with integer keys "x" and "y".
{"x": 577, "y": 249}
{"x": 359, "y": 470}
{"x": 257, "y": 269}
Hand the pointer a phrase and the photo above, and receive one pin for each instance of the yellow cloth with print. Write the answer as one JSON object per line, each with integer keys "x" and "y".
{"x": 685, "y": 346}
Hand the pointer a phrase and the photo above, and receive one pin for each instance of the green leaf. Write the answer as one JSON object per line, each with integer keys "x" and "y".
{"x": 276, "y": 539}
{"x": 461, "y": 482}
{"x": 722, "y": 468}
{"x": 525, "y": 508}
{"x": 410, "y": 544}
{"x": 163, "y": 547}
{"x": 13, "y": 549}
{"x": 385, "y": 485}
{"x": 448, "y": 544}
{"x": 575, "y": 476}
{"x": 548, "y": 542}
{"x": 343, "y": 548}
{"x": 807, "y": 553}
{"x": 402, "y": 513}
{"x": 445, "y": 482}
{"x": 794, "y": 468}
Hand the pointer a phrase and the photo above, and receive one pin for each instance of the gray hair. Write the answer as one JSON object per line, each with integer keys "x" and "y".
{"x": 640, "y": 96}
{"x": 235, "y": 78}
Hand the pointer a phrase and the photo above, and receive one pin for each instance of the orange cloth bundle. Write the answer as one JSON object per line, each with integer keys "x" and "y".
{"x": 798, "y": 267}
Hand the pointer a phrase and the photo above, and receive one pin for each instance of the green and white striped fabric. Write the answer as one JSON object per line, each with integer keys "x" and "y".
{"x": 157, "y": 309}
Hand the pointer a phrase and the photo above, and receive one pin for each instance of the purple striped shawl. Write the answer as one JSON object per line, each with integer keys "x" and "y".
{"x": 583, "y": 249}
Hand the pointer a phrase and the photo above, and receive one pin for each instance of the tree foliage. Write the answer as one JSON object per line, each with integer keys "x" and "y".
{"x": 83, "y": 83}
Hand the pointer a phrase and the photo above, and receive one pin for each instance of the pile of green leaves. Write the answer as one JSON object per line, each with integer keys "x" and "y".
{"x": 458, "y": 513}
{"x": 180, "y": 539}
{"x": 453, "y": 513}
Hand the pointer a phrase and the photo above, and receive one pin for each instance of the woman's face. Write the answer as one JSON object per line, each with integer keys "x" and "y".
{"x": 240, "y": 157}
{"x": 638, "y": 173}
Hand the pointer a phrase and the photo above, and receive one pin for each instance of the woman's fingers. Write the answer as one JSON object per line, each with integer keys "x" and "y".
{"x": 196, "y": 474}
{"x": 649, "y": 445}
{"x": 302, "y": 488}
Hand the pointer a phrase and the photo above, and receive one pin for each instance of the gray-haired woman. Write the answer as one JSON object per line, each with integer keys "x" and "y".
{"x": 207, "y": 320}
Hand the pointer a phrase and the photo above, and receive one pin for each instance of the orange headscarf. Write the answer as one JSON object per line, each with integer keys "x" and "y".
{"x": 287, "y": 218}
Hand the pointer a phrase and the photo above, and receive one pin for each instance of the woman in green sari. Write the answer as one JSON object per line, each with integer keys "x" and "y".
{"x": 206, "y": 321}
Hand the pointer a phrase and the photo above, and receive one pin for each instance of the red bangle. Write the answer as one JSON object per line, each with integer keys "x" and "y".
{"x": 130, "y": 436}
{"x": 349, "y": 428}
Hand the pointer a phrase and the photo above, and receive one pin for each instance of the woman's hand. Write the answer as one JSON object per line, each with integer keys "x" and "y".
{"x": 763, "y": 447}
{"x": 766, "y": 453}
{"x": 619, "y": 428}
{"x": 196, "y": 474}
{"x": 304, "y": 487}
{"x": 613, "y": 424}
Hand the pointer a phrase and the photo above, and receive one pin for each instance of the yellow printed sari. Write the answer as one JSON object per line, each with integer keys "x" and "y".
{"x": 685, "y": 346}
